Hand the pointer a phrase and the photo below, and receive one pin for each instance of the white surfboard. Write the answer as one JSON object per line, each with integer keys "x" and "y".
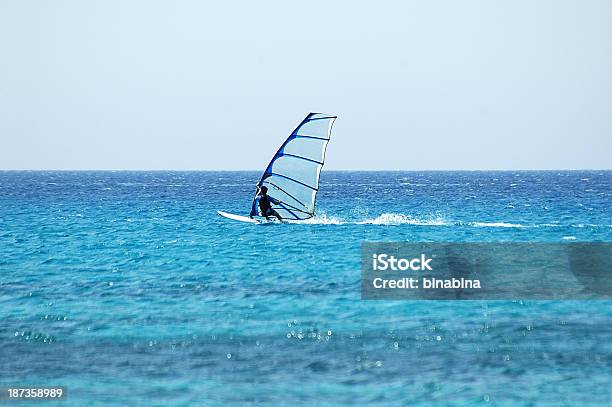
{"x": 238, "y": 217}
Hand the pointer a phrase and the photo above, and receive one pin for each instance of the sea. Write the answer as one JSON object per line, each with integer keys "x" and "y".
{"x": 126, "y": 288}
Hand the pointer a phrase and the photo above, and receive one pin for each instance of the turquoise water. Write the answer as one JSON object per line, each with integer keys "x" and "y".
{"x": 128, "y": 289}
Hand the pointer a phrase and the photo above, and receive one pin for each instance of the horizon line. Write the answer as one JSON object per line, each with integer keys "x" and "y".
{"x": 323, "y": 170}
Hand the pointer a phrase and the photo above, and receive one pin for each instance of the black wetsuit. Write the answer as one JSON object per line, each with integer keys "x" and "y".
{"x": 265, "y": 206}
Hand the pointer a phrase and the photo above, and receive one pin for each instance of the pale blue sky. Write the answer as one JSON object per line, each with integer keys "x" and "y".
{"x": 219, "y": 85}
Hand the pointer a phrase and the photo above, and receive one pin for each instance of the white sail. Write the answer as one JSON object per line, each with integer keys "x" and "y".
{"x": 292, "y": 177}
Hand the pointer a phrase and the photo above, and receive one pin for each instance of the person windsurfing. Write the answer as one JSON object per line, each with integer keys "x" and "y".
{"x": 265, "y": 203}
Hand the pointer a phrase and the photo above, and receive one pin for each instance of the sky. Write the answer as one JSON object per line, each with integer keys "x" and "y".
{"x": 197, "y": 85}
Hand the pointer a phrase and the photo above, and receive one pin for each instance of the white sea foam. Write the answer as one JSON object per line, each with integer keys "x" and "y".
{"x": 497, "y": 225}
{"x": 391, "y": 219}
{"x": 569, "y": 237}
{"x": 589, "y": 225}
{"x": 401, "y": 219}
{"x": 384, "y": 219}
{"x": 320, "y": 219}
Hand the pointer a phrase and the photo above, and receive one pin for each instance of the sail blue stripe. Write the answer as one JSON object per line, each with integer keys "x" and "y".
{"x": 302, "y": 158}
{"x": 294, "y": 180}
{"x": 317, "y": 138}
